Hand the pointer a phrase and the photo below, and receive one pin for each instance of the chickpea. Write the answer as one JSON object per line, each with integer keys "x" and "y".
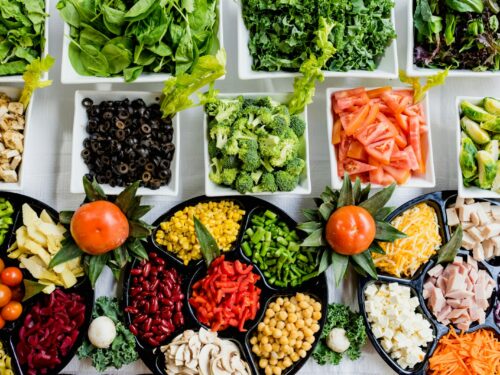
{"x": 300, "y": 324}
{"x": 273, "y": 362}
{"x": 280, "y": 301}
{"x": 268, "y": 371}
{"x": 261, "y": 326}
{"x": 302, "y": 353}
{"x": 277, "y": 333}
{"x": 306, "y": 346}
{"x": 253, "y": 340}
{"x": 287, "y": 362}
{"x": 295, "y": 357}
{"x": 292, "y": 317}
{"x": 315, "y": 327}
{"x": 283, "y": 315}
{"x": 276, "y": 371}
{"x": 308, "y": 332}
{"x": 280, "y": 325}
{"x": 276, "y": 347}
{"x": 263, "y": 363}
{"x": 268, "y": 348}
{"x": 270, "y": 313}
{"x": 310, "y": 340}
{"x": 317, "y": 306}
{"x": 316, "y": 315}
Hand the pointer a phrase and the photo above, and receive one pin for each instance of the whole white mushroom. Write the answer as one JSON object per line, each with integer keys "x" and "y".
{"x": 337, "y": 340}
{"x": 102, "y": 332}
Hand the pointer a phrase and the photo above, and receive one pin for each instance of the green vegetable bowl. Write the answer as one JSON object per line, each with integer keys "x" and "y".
{"x": 304, "y": 183}
{"x": 477, "y": 148}
{"x": 414, "y": 71}
{"x": 69, "y": 74}
{"x": 387, "y": 68}
{"x": 18, "y": 78}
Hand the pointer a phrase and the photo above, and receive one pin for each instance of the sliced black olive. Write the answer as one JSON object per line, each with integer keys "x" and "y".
{"x": 145, "y": 128}
{"x": 87, "y": 102}
{"x": 146, "y": 176}
{"x": 119, "y": 124}
{"x": 149, "y": 167}
{"x": 165, "y": 164}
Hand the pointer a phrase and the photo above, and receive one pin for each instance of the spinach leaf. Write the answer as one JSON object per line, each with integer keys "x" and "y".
{"x": 22, "y": 27}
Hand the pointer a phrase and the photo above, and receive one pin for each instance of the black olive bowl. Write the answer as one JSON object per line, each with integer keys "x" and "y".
{"x": 9, "y": 335}
{"x": 439, "y": 201}
{"x": 195, "y": 270}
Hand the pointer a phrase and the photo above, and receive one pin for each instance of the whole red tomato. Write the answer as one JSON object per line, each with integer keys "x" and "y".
{"x": 99, "y": 227}
{"x": 350, "y": 230}
{"x": 11, "y": 276}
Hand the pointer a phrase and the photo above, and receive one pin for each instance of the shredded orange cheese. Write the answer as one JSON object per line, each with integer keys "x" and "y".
{"x": 404, "y": 257}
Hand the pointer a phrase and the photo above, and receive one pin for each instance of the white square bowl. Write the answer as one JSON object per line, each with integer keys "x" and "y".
{"x": 19, "y": 78}
{"x": 304, "y": 186}
{"x": 415, "y": 71}
{"x": 387, "y": 69}
{"x": 463, "y": 191}
{"x": 426, "y": 181}
{"x": 78, "y": 166}
{"x": 14, "y": 93}
{"x": 70, "y": 76}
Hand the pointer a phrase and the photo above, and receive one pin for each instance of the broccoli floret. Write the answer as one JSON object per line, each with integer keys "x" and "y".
{"x": 249, "y": 143}
{"x": 295, "y": 166}
{"x": 247, "y": 102}
{"x": 279, "y": 125}
{"x": 243, "y": 134}
{"x": 282, "y": 110}
{"x": 287, "y": 150}
{"x": 244, "y": 183}
{"x": 250, "y": 158}
{"x": 226, "y": 110}
{"x": 267, "y": 184}
{"x": 264, "y": 101}
{"x": 268, "y": 145}
{"x": 268, "y": 167}
{"x": 232, "y": 147}
{"x": 266, "y": 116}
{"x": 229, "y": 161}
{"x": 229, "y": 176}
{"x": 285, "y": 181}
{"x": 298, "y": 125}
{"x": 215, "y": 174}
{"x": 256, "y": 175}
{"x": 220, "y": 133}
{"x": 213, "y": 151}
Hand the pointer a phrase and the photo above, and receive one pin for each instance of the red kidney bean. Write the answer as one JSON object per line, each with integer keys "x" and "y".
{"x": 133, "y": 329}
{"x": 146, "y": 269}
{"x": 135, "y": 271}
{"x": 153, "y": 307}
{"x": 131, "y": 309}
{"x": 153, "y": 342}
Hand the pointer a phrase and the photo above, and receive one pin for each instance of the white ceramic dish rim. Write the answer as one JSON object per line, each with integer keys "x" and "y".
{"x": 245, "y": 71}
{"x": 429, "y": 181}
{"x": 19, "y": 78}
{"x": 414, "y": 71}
{"x": 15, "y": 93}
{"x": 467, "y": 192}
{"x": 214, "y": 190}
{"x": 78, "y": 167}
{"x": 70, "y": 76}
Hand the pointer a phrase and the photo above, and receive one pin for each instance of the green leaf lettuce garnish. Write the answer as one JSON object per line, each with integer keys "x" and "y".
{"x": 33, "y": 78}
{"x": 311, "y": 69}
{"x": 419, "y": 90}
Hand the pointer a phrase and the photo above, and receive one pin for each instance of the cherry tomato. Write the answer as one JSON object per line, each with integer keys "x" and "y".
{"x": 11, "y": 276}
{"x": 2, "y": 265}
{"x": 99, "y": 227}
{"x": 350, "y": 230}
{"x": 5, "y": 295}
{"x": 11, "y": 311}
{"x": 2, "y": 323}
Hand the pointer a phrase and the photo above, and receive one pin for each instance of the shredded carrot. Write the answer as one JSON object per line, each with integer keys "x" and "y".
{"x": 475, "y": 353}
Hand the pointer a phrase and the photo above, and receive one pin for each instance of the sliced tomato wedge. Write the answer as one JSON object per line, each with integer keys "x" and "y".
{"x": 352, "y": 101}
{"x": 400, "y": 159}
{"x": 355, "y": 120}
{"x": 381, "y": 150}
{"x": 412, "y": 159}
{"x": 400, "y": 175}
{"x": 373, "y": 133}
{"x": 372, "y": 115}
{"x": 352, "y": 166}
{"x": 392, "y": 101}
{"x": 347, "y": 93}
{"x": 402, "y": 121}
{"x": 337, "y": 129}
{"x": 414, "y": 124}
{"x": 343, "y": 147}
{"x": 357, "y": 151}
{"x": 376, "y": 93}
{"x": 399, "y": 136}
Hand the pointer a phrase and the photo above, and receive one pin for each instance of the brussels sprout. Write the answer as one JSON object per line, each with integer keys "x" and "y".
{"x": 492, "y": 125}
{"x": 496, "y": 182}
{"x": 467, "y": 159}
{"x": 492, "y": 148}
{"x": 474, "y": 131}
{"x": 492, "y": 105}
{"x": 496, "y": 137}
{"x": 475, "y": 113}
{"x": 487, "y": 169}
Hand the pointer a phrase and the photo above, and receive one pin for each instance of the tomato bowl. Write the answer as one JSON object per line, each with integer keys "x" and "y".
{"x": 423, "y": 180}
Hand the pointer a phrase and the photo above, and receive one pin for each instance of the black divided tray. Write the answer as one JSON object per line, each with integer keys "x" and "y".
{"x": 439, "y": 201}
{"x": 9, "y": 335}
{"x": 195, "y": 270}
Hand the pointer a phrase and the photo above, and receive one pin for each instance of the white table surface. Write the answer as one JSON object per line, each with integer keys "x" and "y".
{"x": 48, "y": 163}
